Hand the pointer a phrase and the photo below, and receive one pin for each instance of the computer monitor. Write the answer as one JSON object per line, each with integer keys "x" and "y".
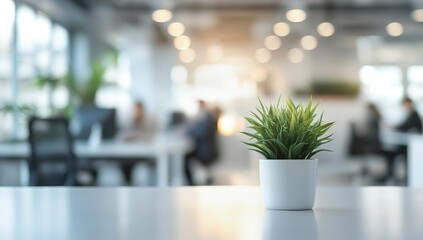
{"x": 88, "y": 115}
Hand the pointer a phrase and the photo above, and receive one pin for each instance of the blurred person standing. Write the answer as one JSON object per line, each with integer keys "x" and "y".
{"x": 142, "y": 128}
{"x": 203, "y": 132}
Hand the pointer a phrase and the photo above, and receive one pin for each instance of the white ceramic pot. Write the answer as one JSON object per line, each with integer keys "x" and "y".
{"x": 288, "y": 184}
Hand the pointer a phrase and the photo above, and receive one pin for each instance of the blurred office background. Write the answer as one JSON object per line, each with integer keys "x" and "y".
{"x": 168, "y": 55}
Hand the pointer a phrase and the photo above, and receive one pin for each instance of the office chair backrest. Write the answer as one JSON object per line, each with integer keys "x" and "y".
{"x": 52, "y": 160}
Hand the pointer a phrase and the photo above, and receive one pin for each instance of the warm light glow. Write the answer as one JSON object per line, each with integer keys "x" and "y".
{"x": 214, "y": 53}
{"x": 263, "y": 55}
{"x": 176, "y": 29}
{"x": 162, "y": 15}
{"x": 295, "y": 55}
{"x": 309, "y": 42}
{"x": 281, "y": 29}
{"x": 296, "y": 15}
{"x": 228, "y": 125}
{"x": 187, "y": 55}
{"x": 182, "y": 42}
{"x": 417, "y": 15}
{"x": 259, "y": 74}
{"x": 179, "y": 74}
{"x": 326, "y": 29}
{"x": 272, "y": 42}
{"x": 394, "y": 29}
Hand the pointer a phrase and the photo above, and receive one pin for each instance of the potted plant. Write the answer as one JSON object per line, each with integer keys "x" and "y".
{"x": 288, "y": 137}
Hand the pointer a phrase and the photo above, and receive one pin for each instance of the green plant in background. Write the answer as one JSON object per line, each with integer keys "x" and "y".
{"x": 86, "y": 91}
{"x": 287, "y": 132}
{"x": 335, "y": 87}
{"x": 51, "y": 82}
{"x": 24, "y": 109}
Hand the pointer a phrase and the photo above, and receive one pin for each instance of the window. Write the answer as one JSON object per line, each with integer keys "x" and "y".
{"x": 43, "y": 51}
{"x": 415, "y": 82}
{"x": 382, "y": 83}
{"x": 7, "y": 10}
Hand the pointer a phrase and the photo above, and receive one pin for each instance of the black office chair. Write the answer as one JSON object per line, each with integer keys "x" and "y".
{"x": 52, "y": 161}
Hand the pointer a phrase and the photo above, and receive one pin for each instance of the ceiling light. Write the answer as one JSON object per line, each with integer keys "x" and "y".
{"x": 326, "y": 29}
{"x": 309, "y": 42}
{"x": 162, "y": 15}
{"x": 281, "y": 29}
{"x": 394, "y": 29}
{"x": 263, "y": 55}
{"x": 187, "y": 55}
{"x": 295, "y": 55}
{"x": 272, "y": 42}
{"x": 182, "y": 42}
{"x": 296, "y": 15}
{"x": 176, "y": 29}
{"x": 417, "y": 15}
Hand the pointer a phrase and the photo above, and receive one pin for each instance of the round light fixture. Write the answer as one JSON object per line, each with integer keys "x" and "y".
{"x": 162, "y": 15}
{"x": 326, "y": 29}
{"x": 417, "y": 15}
{"x": 281, "y": 29}
{"x": 272, "y": 42}
{"x": 395, "y": 29}
{"x": 182, "y": 42}
{"x": 308, "y": 42}
{"x": 296, "y": 15}
{"x": 176, "y": 29}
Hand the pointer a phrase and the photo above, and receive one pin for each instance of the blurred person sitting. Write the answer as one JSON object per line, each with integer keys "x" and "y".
{"x": 203, "y": 132}
{"x": 143, "y": 128}
{"x": 411, "y": 124}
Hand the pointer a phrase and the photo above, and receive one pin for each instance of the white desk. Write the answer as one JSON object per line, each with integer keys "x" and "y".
{"x": 414, "y": 142}
{"x": 206, "y": 213}
{"x": 394, "y": 138}
{"x": 163, "y": 149}
{"x": 415, "y": 162}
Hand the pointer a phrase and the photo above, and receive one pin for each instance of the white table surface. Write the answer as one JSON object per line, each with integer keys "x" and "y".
{"x": 415, "y": 162}
{"x": 206, "y": 213}
{"x": 166, "y": 149}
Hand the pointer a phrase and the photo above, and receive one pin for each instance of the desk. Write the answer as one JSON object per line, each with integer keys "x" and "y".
{"x": 163, "y": 149}
{"x": 395, "y": 138}
{"x": 206, "y": 213}
{"x": 414, "y": 142}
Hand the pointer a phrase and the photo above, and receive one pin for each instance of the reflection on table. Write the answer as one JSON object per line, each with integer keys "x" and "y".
{"x": 206, "y": 213}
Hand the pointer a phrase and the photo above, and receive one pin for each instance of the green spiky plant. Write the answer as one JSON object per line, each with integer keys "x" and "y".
{"x": 287, "y": 132}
